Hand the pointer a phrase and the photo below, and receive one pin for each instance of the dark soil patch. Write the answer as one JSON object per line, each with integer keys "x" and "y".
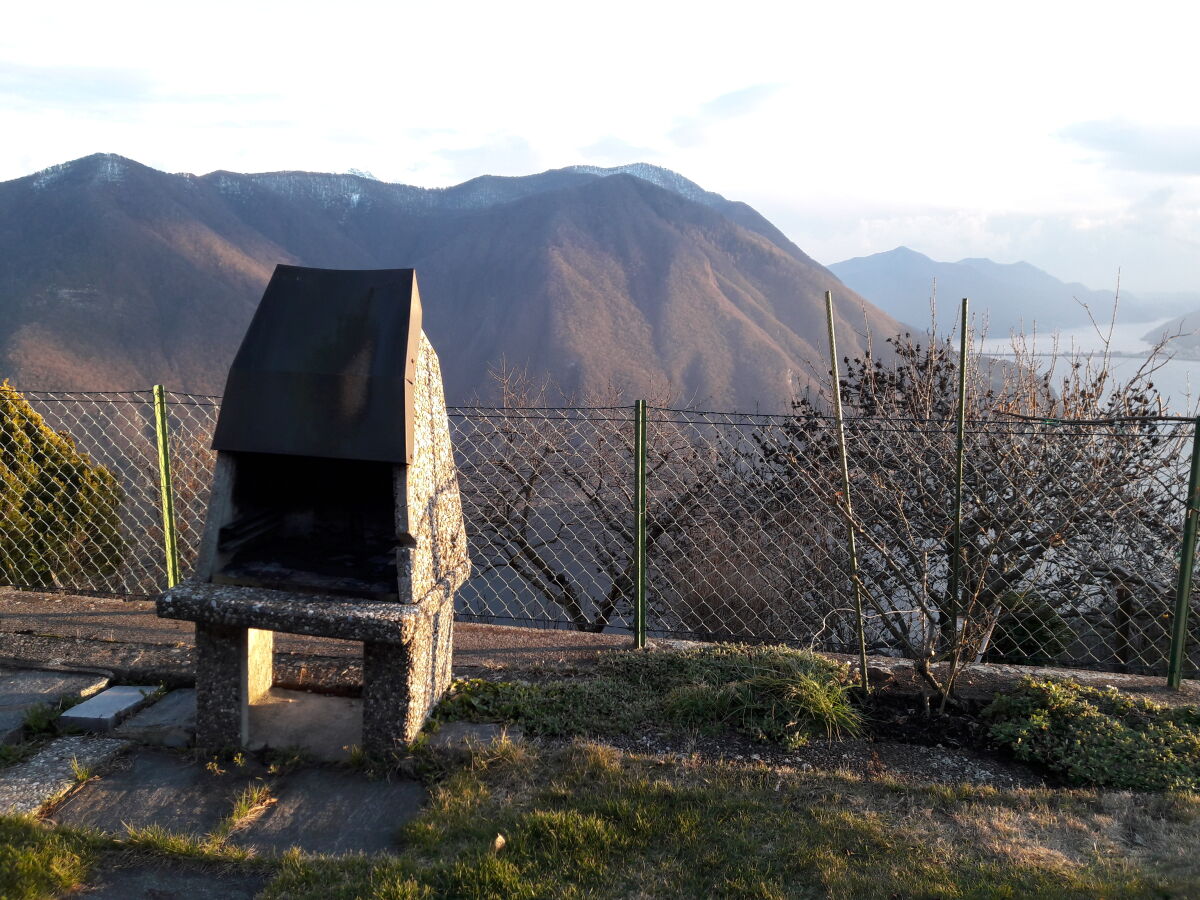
{"x": 902, "y": 742}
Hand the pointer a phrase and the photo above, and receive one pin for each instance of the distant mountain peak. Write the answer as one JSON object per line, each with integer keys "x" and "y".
{"x": 1015, "y": 296}
{"x": 656, "y": 175}
{"x": 630, "y": 277}
{"x": 101, "y": 167}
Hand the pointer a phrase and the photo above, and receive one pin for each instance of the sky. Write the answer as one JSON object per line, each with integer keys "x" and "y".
{"x": 1063, "y": 134}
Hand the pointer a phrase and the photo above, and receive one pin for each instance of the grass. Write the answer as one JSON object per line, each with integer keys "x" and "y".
{"x": 37, "y": 862}
{"x": 79, "y": 771}
{"x": 249, "y": 804}
{"x": 589, "y": 821}
{"x": 771, "y": 693}
{"x": 11, "y": 754}
{"x": 39, "y": 719}
{"x": 578, "y": 818}
{"x": 586, "y": 820}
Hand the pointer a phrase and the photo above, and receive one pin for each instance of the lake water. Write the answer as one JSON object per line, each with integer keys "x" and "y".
{"x": 1178, "y": 380}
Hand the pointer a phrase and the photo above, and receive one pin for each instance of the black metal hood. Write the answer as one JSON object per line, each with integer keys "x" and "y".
{"x": 326, "y": 368}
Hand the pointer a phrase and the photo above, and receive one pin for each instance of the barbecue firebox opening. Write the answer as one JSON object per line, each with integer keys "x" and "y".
{"x": 311, "y": 524}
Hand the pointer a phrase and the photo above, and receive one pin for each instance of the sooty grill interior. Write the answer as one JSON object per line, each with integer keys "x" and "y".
{"x": 311, "y": 524}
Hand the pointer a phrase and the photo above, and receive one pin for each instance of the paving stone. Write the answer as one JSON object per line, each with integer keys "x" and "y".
{"x": 51, "y": 772}
{"x": 323, "y": 726}
{"x": 158, "y": 787}
{"x": 21, "y": 689}
{"x": 143, "y": 882}
{"x": 459, "y": 736}
{"x": 104, "y": 710}
{"x": 333, "y": 811}
{"x": 169, "y": 722}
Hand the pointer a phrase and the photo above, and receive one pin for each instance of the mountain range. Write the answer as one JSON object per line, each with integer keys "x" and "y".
{"x": 1011, "y": 297}
{"x": 114, "y": 275}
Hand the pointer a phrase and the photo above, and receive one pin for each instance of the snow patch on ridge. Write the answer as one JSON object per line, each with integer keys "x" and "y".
{"x": 106, "y": 168}
{"x": 656, "y": 175}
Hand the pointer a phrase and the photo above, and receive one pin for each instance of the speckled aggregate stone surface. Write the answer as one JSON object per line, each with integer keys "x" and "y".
{"x": 438, "y": 562}
{"x": 48, "y": 774}
{"x": 295, "y": 613}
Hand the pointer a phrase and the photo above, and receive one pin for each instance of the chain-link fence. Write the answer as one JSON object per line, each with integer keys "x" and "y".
{"x": 82, "y": 504}
{"x": 1069, "y": 550}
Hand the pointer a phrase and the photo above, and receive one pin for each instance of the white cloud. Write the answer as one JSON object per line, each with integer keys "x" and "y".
{"x": 1173, "y": 150}
{"x": 962, "y": 129}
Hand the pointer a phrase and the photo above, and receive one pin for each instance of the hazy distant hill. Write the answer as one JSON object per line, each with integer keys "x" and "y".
{"x": 1184, "y": 331}
{"x": 114, "y": 275}
{"x": 1014, "y": 296}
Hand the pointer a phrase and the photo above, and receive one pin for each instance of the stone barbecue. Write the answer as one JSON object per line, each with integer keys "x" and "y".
{"x": 334, "y": 508}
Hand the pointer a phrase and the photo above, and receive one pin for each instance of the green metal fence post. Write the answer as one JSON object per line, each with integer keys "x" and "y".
{"x": 639, "y": 530}
{"x": 841, "y": 434}
{"x": 955, "y": 586}
{"x": 170, "y": 544}
{"x": 1187, "y": 560}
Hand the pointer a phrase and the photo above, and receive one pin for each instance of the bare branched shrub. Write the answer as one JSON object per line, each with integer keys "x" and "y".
{"x": 1071, "y": 490}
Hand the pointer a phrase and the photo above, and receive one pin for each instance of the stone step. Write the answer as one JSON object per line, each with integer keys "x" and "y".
{"x": 54, "y": 770}
{"x": 103, "y": 711}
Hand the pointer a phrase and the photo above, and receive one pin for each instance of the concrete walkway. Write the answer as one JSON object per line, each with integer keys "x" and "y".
{"x": 126, "y": 638}
{"x": 128, "y": 641}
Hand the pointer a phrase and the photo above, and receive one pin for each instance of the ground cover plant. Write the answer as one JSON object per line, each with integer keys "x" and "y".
{"x": 1099, "y": 737}
{"x": 770, "y": 693}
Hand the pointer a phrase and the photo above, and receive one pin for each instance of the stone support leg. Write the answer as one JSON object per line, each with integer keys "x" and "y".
{"x": 385, "y": 698}
{"x": 402, "y": 683}
{"x": 234, "y": 668}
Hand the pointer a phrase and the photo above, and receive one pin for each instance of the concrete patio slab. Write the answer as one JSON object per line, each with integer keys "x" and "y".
{"x": 158, "y": 787}
{"x": 323, "y": 726}
{"x": 143, "y": 882}
{"x": 170, "y": 722}
{"x": 333, "y": 811}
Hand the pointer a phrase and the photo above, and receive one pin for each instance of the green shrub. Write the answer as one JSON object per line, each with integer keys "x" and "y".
{"x": 771, "y": 693}
{"x": 59, "y": 511}
{"x": 1099, "y": 737}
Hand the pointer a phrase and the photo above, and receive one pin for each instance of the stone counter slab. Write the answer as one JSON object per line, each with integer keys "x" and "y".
{"x": 311, "y": 614}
